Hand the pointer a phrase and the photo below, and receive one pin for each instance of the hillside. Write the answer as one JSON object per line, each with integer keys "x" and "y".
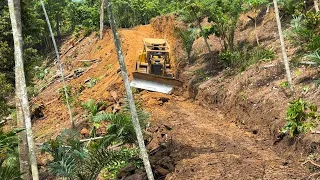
{"x": 222, "y": 127}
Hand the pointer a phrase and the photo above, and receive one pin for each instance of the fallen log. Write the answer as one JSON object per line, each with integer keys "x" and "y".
{"x": 72, "y": 46}
{"x": 89, "y": 60}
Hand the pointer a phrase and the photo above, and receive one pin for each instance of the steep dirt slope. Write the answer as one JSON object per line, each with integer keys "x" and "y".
{"x": 205, "y": 143}
{"x": 254, "y": 99}
{"x": 105, "y": 70}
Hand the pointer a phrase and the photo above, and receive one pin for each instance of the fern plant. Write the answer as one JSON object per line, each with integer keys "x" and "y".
{"x": 315, "y": 56}
{"x": 92, "y": 107}
{"x": 73, "y": 160}
{"x": 9, "y": 163}
{"x": 301, "y": 117}
{"x": 188, "y": 37}
{"x": 121, "y": 126}
{"x": 67, "y": 152}
{"x": 103, "y": 158}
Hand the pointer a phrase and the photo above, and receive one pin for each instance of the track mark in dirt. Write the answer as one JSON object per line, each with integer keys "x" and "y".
{"x": 209, "y": 147}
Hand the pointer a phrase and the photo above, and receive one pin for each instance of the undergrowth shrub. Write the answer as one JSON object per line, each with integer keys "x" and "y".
{"x": 301, "y": 117}
{"x": 9, "y": 161}
{"x": 312, "y": 19}
{"x": 299, "y": 34}
{"x": 74, "y": 160}
{"x": 92, "y": 82}
{"x": 73, "y": 96}
{"x": 120, "y": 125}
{"x": 304, "y": 34}
{"x": 291, "y": 7}
{"x": 188, "y": 37}
{"x": 315, "y": 56}
{"x": 242, "y": 58}
{"x": 62, "y": 94}
{"x": 92, "y": 108}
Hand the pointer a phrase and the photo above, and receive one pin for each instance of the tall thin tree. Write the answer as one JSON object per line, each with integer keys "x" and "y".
{"x": 283, "y": 47}
{"x": 201, "y": 28}
{"x": 133, "y": 110}
{"x": 21, "y": 88}
{"x": 316, "y": 6}
{"x": 60, "y": 64}
{"x": 101, "y": 18}
{"x": 23, "y": 143}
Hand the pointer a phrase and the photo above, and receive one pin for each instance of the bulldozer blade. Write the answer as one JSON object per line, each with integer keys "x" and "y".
{"x": 154, "y": 83}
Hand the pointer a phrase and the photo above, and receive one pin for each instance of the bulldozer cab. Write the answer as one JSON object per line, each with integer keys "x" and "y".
{"x": 157, "y": 47}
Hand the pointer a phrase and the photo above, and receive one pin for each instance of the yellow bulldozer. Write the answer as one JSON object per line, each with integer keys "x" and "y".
{"x": 153, "y": 67}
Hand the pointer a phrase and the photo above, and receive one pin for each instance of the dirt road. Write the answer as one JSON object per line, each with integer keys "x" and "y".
{"x": 208, "y": 147}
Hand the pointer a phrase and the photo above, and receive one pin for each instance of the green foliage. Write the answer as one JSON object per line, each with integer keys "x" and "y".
{"x": 284, "y": 84}
{"x": 67, "y": 152}
{"x": 92, "y": 107}
{"x": 299, "y": 34}
{"x": 62, "y": 94}
{"x": 312, "y": 19}
{"x": 73, "y": 160}
{"x": 256, "y": 3}
{"x": 291, "y": 7}
{"x": 102, "y": 158}
{"x": 188, "y": 37}
{"x": 121, "y": 126}
{"x": 224, "y": 16}
{"x": 314, "y": 43}
{"x": 241, "y": 59}
{"x": 40, "y": 73}
{"x": 92, "y": 82}
{"x": 9, "y": 163}
{"x": 112, "y": 170}
{"x": 301, "y": 117}
{"x": 5, "y": 90}
{"x": 232, "y": 59}
{"x": 303, "y": 32}
{"x": 315, "y": 56}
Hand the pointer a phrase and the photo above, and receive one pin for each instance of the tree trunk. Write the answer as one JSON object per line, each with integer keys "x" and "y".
{"x": 101, "y": 18}
{"x": 134, "y": 116}
{"x": 283, "y": 48}
{"x": 23, "y": 144}
{"x": 60, "y": 64}
{"x": 21, "y": 89}
{"x": 316, "y": 6}
{"x": 58, "y": 24}
{"x": 201, "y": 30}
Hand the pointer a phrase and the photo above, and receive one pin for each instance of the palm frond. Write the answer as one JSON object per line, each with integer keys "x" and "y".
{"x": 315, "y": 56}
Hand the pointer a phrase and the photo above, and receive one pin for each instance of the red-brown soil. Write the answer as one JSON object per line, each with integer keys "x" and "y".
{"x": 222, "y": 129}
